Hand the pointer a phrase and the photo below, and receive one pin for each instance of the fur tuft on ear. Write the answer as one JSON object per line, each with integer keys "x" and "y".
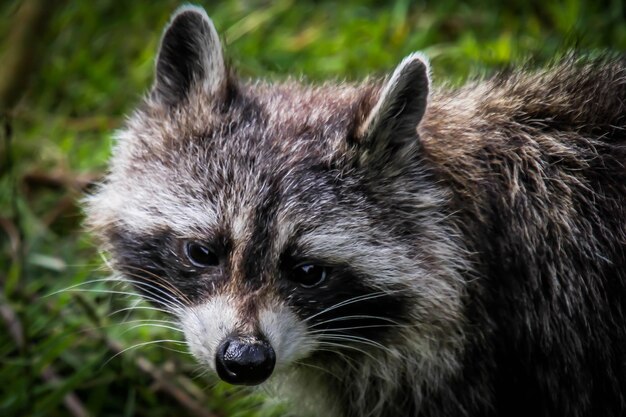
{"x": 190, "y": 55}
{"x": 392, "y": 123}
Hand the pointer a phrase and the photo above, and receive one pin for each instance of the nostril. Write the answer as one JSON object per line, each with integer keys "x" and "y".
{"x": 242, "y": 361}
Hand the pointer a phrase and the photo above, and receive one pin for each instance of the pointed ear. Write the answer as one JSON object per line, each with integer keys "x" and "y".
{"x": 190, "y": 55}
{"x": 392, "y": 123}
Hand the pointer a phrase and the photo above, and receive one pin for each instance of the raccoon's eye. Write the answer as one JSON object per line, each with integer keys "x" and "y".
{"x": 309, "y": 275}
{"x": 200, "y": 255}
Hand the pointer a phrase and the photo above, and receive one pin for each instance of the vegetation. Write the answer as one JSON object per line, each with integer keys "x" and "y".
{"x": 69, "y": 344}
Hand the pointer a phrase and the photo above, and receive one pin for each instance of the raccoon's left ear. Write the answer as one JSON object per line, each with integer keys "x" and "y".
{"x": 392, "y": 123}
{"x": 190, "y": 56}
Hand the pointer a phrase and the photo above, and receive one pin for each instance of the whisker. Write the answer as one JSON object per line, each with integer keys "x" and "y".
{"x": 164, "y": 326}
{"x": 117, "y": 292}
{"x": 358, "y": 339}
{"x": 182, "y": 352}
{"x": 140, "y": 345}
{"x": 104, "y": 291}
{"x": 319, "y": 368}
{"x": 369, "y": 326}
{"x": 80, "y": 284}
{"x": 142, "y": 307}
{"x": 158, "y": 288}
{"x": 170, "y": 298}
{"x": 146, "y": 322}
{"x": 356, "y": 316}
{"x": 155, "y": 321}
{"x": 365, "y": 297}
{"x": 343, "y": 346}
{"x": 315, "y": 330}
{"x": 204, "y": 372}
{"x": 134, "y": 307}
{"x": 351, "y": 362}
{"x": 171, "y": 303}
{"x": 160, "y": 280}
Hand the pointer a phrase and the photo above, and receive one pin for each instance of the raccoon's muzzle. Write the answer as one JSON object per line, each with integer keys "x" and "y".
{"x": 244, "y": 360}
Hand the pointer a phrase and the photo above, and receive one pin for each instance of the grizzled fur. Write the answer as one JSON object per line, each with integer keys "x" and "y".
{"x": 475, "y": 239}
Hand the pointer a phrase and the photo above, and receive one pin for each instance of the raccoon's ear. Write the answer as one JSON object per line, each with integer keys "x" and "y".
{"x": 190, "y": 55}
{"x": 392, "y": 123}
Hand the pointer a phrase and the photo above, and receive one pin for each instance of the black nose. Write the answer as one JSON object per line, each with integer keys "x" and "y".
{"x": 244, "y": 361}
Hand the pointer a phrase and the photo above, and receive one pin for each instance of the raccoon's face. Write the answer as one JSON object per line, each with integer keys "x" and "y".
{"x": 282, "y": 224}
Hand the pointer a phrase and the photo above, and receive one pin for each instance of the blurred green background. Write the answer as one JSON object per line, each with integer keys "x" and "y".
{"x": 69, "y": 347}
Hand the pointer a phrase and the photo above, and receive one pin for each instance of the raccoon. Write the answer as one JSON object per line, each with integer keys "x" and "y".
{"x": 383, "y": 248}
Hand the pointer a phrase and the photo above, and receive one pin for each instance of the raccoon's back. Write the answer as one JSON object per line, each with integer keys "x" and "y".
{"x": 536, "y": 162}
{"x": 569, "y": 116}
{"x": 587, "y": 96}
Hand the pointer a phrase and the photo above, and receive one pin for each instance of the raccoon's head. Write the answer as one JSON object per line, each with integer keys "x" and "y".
{"x": 284, "y": 225}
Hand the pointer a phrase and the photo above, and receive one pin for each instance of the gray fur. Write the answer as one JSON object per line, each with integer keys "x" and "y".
{"x": 483, "y": 227}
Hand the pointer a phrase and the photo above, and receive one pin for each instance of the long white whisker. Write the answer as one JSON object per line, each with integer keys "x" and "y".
{"x": 319, "y": 368}
{"x": 369, "y": 326}
{"x": 129, "y": 294}
{"x": 143, "y": 307}
{"x": 163, "y": 295}
{"x": 159, "y": 280}
{"x": 351, "y": 362}
{"x": 105, "y": 291}
{"x": 169, "y": 322}
{"x": 365, "y": 297}
{"x": 146, "y": 322}
{"x": 356, "y": 316}
{"x": 80, "y": 284}
{"x": 358, "y": 339}
{"x": 133, "y": 307}
{"x": 164, "y": 326}
{"x": 170, "y": 300}
{"x": 140, "y": 345}
{"x": 343, "y": 346}
{"x": 184, "y": 352}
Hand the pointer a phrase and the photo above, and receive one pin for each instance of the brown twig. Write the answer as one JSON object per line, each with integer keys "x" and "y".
{"x": 13, "y": 324}
{"x": 165, "y": 381}
{"x": 92, "y": 123}
{"x": 60, "y": 180}
{"x": 13, "y": 234}
{"x": 16, "y": 330}
{"x": 71, "y": 401}
{"x": 64, "y": 205}
{"x": 72, "y": 184}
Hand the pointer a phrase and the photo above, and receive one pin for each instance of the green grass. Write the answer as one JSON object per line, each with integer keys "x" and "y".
{"x": 97, "y": 62}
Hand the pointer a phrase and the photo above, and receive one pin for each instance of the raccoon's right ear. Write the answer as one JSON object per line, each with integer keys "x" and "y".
{"x": 190, "y": 56}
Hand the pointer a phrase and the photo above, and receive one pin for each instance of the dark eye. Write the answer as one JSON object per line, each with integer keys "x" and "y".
{"x": 200, "y": 255}
{"x": 309, "y": 275}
